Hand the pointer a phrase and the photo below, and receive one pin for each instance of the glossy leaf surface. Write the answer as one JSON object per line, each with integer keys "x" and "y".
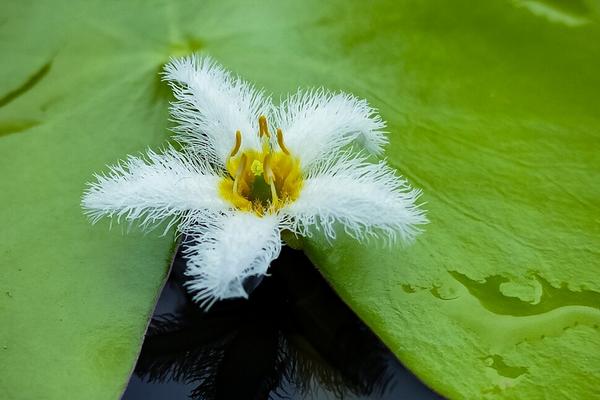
{"x": 492, "y": 110}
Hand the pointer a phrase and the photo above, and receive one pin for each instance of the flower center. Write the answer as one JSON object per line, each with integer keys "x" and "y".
{"x": 261, "y": 180}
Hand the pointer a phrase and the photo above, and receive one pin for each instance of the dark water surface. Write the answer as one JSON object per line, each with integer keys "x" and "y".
{"x": 293, "y": 339}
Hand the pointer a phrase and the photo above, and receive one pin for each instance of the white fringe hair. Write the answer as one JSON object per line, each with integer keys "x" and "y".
{"x": 227, "y": 250}
{"x": 368, "y": 199}
{"x": 341, "y": 187}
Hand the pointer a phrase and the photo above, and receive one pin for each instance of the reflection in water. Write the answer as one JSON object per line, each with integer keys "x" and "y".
{"x": 293, "y": 339}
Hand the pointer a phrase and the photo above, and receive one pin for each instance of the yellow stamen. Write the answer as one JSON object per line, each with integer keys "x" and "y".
{"x": 237, "y": 145}
{"x": 274, "y": 192}
{"x": 240, "y": 172}
{"x": 281, "y": 143}
{"x": 264, "y": 179}
{"x": 263, "y": 129}
{"x": 269, "y": 177}
{"x": 268, "y": 172}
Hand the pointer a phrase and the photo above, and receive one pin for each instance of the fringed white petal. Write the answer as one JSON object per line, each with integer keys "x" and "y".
{"x": 212, "y": 105}
{"x": 317, "y": 123}
{"x": 155, "y": 188}
{"x": 228, "y": 249}
{"x": 369, "y": 200}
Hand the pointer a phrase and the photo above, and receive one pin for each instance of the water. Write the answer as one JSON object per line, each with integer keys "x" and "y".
{"x": 293, "y": 339}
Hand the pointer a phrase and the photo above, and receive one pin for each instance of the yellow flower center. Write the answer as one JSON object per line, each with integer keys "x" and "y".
{"x": 264, "y": 180}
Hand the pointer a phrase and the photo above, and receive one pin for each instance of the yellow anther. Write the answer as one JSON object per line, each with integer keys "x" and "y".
{"x": 263, "y": 129}
{"x": 274, "y": 192}
{"x": 240, "y": 172}
{"x": 269, "y": 177}
{"x": 268, "y": 172}
{"x": 263, "y": 179}
{"x": 237, "y": 145}
{"x": 281, "y": 143}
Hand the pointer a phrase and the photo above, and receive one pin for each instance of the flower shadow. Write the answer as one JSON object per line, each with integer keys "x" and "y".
{"x": 293, "y": 338}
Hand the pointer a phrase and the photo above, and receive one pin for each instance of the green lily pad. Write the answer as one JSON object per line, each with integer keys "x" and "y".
{"x": 76, "y": 92}
{"x": 492, "y": 110}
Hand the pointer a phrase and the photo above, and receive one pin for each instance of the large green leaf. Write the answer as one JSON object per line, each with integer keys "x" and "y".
{"x": 492, "y": 110}
{"x": 78, "y": 88}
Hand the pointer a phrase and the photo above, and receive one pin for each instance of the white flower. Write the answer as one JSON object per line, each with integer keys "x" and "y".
{"x": 237, "y": 184}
